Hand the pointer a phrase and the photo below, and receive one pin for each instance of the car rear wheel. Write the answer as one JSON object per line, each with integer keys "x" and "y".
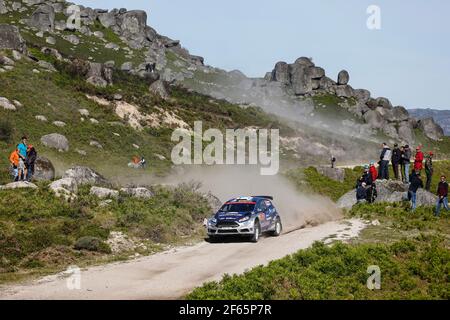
{"x": 278, "y": 228}
{"x": 256, "y": 232}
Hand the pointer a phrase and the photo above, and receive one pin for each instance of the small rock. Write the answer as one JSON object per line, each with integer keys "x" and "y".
{"x": 139, "y": 192}
{"x": 50, "y": 40}
{"x": 116, "y": 134}
{"x": 16, "y": 55}
{"x": 6, "y": 61}
{"x": 84, "y": 112}
{"x": 40, "y": 34}
{"x": 81, "y": 152}
{"x": 160, "y": 157}
{"x": 93, "y": 121}
{"x": 6, "y": 104}
{"x": 17, "y": 104}
{"x": 96, "y": 144}
{"x": 127, "y": 66}
{"x": 135, "y": 146}
{"x": 41, "y": 118}
{"x": 59, "y": 124}
{"x": 19, "y": 185}
{"x": 36, "y": 71}
{"x": 73, "y": 39}
{"x": 99, "y": 34}
{"x": 118, "y": 97}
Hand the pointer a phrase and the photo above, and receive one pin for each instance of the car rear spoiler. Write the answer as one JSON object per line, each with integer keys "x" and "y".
{"x": 265, "y": 197}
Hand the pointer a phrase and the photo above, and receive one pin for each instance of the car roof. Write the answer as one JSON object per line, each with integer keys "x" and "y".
{"x": 250, "y": 199}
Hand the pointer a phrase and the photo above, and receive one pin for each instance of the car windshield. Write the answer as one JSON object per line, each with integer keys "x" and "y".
{"x": 237, "y": 207}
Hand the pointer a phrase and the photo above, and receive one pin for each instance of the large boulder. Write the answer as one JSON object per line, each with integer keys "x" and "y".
{"x": 99, "y": 75}
{"x": 85, "y": 175}
{"x": 43, "y": 169}
{"x": 104, "y": 193}
{"x": 56, "y": 141}
{"x": 43, "y": 18}
{"x": 3, "y": 8}
{"x": 399, "y": 113}
{"x": 18, "y": 185}
{"x": 159, "y": 88}
{"x": 300, "y": 79}
{"x": 344, "y": 91}
{"x": 10, "y": 38}
{"x": 406, "y": 133}
{"x": 389, "y": 191}
{"x": 384, "y": 103}
{"x": 64, "y": 187}
{"x": 431, "y": 129}
{"x": 374, "y": 119}
{"x": 343, "y": 77}
{"x": 362, "y": 95}
{"x": 138, "y": 192}
{"x": 132, "y": 25}
{"x": 281, "y": 73}
{"x": 337, "y": 174}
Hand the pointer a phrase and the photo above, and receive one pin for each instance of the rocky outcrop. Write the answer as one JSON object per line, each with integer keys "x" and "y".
{"x": 138, "y": 192}
{"x": 389, "y": 191}
{"x": 10, "y": 38}
{"x": 3, "y": 8}
{"x": 85, "y": 175}
{"x": 103, "y": 193}
{"x": 159, "y": 88}
{"x": 43, "y": 18}
{"x": 431, "y": 129}
{"x": 44, "y": 169}
{"x": 56, "y": 141}
{"x": 337, "y": 174}
{"x": 18, "y": 185}
{"x": 99, "y": 75}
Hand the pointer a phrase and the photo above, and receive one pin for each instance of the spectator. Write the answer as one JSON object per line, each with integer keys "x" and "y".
{"x": 407, "y": 162}
{"x": 429, "y": 170}
{"x": 361, "y": 193}
{"x": 418, "y": 161}
{"x": 385, "y": 157}
{"x": 416, "y": 183}
{"x": 402, "y": 164}
{"x": 442, "y": 193}
{"x": 396, "y": 158}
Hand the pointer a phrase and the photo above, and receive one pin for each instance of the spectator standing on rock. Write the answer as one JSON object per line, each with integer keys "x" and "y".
{"x": 333, "y": 161}
{"x": 418, "y": 160}
{"x": 14, "y": 160}
{"x": 442, "y": 193}
{"x": 373, "y": 171}
{"x": 416, "y": 183}
{"x": 407, "y": 162}
{"x": 429, "y": 170}
{"x": 402, "y": 164}
{"x": 23, "y": 147}
{"x": 396, "y": 158}
{"x": 30, "y": 161}
{"x": 385, "y": 157}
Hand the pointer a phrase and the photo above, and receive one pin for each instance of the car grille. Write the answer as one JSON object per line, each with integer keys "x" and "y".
{"x": 225, "y": 224}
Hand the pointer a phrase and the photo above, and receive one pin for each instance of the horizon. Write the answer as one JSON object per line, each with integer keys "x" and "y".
{"x": 398, "y": 62}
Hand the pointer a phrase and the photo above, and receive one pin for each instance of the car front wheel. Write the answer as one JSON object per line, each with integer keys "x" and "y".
{"x": 256, "y": 232}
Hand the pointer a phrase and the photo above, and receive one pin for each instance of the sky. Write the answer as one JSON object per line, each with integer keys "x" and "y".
{"x": 406, "y": 60}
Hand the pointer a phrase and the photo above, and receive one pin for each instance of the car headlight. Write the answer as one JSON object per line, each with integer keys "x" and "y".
{"x": 244, "y": 219}
{"x": 212, "y": 221}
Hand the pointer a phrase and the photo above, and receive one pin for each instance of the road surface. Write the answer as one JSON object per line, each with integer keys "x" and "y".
{"x": 174, "y": 273}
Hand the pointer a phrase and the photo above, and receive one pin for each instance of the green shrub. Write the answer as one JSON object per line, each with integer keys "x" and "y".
{"x": 92, "y": 244}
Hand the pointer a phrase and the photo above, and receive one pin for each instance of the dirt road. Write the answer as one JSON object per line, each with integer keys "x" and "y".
{"x": 172, "y": 274}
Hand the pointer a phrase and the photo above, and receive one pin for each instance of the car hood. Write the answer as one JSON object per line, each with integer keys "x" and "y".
{"x": 231, "y": 216}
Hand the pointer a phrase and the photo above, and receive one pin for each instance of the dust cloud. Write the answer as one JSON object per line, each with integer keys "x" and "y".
{"x": 226, "y": 182}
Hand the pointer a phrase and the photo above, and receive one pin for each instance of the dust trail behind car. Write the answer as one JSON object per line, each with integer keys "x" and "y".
{"x": 225, "y": 182}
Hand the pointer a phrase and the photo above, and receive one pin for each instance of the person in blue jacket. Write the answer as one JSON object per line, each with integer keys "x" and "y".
{"x": 23, "y": 148}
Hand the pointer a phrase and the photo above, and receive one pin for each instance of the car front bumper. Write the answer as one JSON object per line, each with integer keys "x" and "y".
{"x": 245, "y": 228}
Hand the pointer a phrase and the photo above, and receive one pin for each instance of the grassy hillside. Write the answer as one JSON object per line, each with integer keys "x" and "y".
{"x": 412, "y": 253}
{"x": 39, "y": 232}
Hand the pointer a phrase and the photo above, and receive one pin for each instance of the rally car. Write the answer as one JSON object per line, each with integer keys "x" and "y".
{"x": 245, "y": 216}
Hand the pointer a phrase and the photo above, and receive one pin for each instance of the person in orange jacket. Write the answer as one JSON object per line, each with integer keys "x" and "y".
{"x": 373, "y": 171}
{"x": 418, "y": 161}
{"x": 14, "y": 160}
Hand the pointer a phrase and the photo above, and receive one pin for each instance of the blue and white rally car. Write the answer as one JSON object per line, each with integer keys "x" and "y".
{"x": 245, "y": 216}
